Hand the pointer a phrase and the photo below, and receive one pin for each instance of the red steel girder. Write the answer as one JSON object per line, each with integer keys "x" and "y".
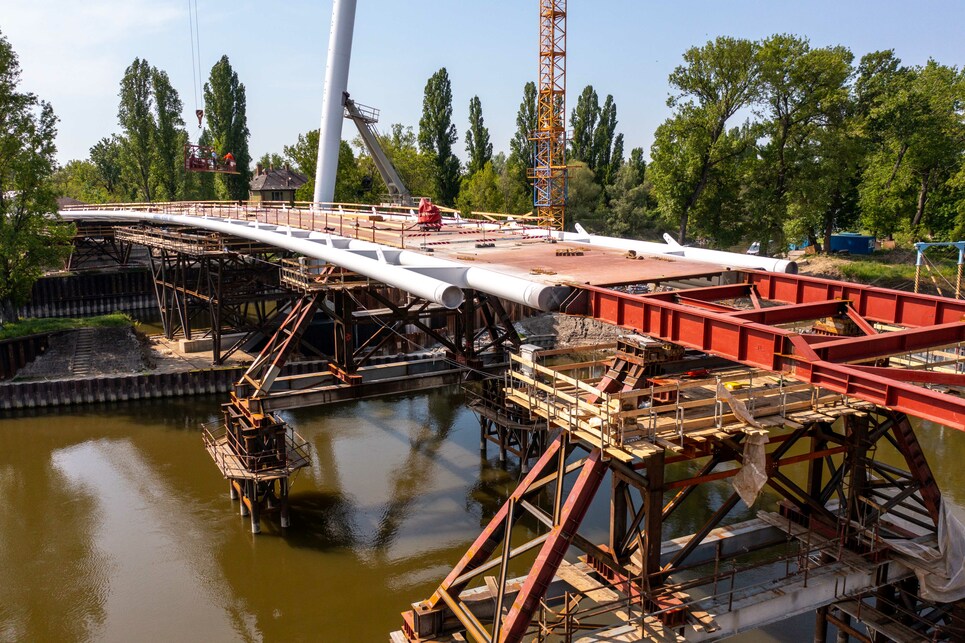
{"x": 910, "y": 375}
{"x": 872, "y": 303}
{"x": 779, "y": 350}
{"x": 793, "y": 312}
{"x": 551, "y": 554}
{"x": 850, "y": 349}
{"x": 487, "y": 541}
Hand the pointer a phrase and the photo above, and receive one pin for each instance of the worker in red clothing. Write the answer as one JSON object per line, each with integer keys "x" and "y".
{"x": 229, "y": 160}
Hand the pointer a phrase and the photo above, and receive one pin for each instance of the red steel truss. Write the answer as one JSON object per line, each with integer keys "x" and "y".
{"x": 697, "y": 319}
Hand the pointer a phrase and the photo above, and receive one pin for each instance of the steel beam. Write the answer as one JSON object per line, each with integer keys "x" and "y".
{"x": 780, "y": 350}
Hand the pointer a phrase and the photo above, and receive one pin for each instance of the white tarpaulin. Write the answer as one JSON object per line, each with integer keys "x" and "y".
{"x": 753, "y": 474}
{"x": 944, "y": 580}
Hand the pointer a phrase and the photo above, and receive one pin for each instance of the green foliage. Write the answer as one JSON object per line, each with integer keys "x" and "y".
{"x": 520, "y": 159}
{"x": 145, "y": 162}
{"x": 32, "y": 238}
{"x": 225, "y": 108}
{"x": 584, "y": 197}
{"x": 135, "y": 115}
{"x": 80, "y": 180}
{"x": 628, "y": 214}
{"x": 169, "y": 138}
{"x": 480, "y": 192}
{"x": 583, "y": 120}
{"x": 478, "y": 147}
{"x": 106, "y": 157}
{"x": 271, "y": 160}
{"x": 715, "y": 83}
{"x": 437, "y": 135}
{"x": 25, "y": 327}
{"x": 417, "y": 169}
{"x": 914, "y": 123}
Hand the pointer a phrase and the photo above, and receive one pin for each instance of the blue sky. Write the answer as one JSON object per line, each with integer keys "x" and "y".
{"x": 74, "y": 53}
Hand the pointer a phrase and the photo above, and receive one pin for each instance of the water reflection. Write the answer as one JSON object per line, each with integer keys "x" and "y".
{"x": 115, "y": 525}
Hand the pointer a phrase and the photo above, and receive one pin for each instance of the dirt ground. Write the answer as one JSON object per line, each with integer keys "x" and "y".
{"x": 116, "y": 351}
{"x": 570, "y": 330}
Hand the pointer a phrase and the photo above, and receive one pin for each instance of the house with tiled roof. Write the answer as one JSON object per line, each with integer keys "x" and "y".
{"x": 275, "y": 184}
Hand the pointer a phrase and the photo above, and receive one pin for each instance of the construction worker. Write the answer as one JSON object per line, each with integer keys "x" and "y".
{"x": 229, "y": 160}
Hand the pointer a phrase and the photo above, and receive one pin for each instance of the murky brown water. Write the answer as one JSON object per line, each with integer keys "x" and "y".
{"x": 115, "y": 525}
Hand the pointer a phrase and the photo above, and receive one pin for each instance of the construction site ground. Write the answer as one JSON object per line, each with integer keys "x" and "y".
{"x": 115, "y": 351}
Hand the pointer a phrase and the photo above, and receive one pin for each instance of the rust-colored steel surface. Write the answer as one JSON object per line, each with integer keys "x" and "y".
{"x": 752, "y": 337}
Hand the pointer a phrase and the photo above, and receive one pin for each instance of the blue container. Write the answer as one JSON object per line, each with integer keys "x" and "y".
{"x": 853, "y": 243}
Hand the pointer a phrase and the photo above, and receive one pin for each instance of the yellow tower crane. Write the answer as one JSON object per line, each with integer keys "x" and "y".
{"x": 549, "y": 138}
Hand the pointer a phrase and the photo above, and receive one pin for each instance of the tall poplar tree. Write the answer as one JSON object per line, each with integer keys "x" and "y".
{"x": 225, "y": 108}
{"x": 520, "y": 159}
{"x": 170, "y": 136}
{"x": 583, "y": 121}
{"x": 478, "y": 146}
{"x": 437, "y": 135}
{"x": 136, "y": 117}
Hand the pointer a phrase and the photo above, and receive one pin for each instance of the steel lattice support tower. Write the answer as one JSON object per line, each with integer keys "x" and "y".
{"x": 549, "y": 162}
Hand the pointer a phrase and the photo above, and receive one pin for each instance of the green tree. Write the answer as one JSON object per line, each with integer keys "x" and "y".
{"x": 105, "y": 154}
{"x": 169, "y": 138}
{"x": 136, "y": 117}
{"x": 480, "y": 192}
{"x": 79, "y": 180}
{"x": 715, "y": 83}
{"x": 628, "y": 214}
{"x": 225, "y": 108}
{"x": 918, "y": 139}
{"x": 584, "y": 196}
{"x": 303, "y": 154}
{"x": 32, "y": 237}
{"x": 804, "y": 91}
{"x": 604, "y": 141}
{"x": 271, "y": 160}
{"x": 583, "y": 120}
{"x": 437, "y": 135}
{"x": 520, "y": 159}
{"x": 478, "y": 146}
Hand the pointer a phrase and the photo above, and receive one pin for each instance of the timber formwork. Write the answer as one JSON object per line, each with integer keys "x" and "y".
{"x": 234, "y": 281}
{"x": 658, "y": 420}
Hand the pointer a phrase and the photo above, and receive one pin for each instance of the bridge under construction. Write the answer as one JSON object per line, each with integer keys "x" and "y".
{"x": 731, "y": 368}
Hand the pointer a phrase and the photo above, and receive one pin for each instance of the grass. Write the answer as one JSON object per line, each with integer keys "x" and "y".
{"x": 26, "y": 327}
{"x": 897, "y": 270}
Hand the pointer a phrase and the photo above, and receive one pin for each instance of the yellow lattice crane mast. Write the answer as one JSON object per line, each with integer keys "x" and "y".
{"x": 549, "y": 138}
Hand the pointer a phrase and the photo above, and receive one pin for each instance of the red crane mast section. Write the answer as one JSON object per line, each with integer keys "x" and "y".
{"x": 706, "y": 319}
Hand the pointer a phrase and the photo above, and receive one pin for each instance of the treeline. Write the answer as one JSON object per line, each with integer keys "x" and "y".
{"x": 145, "y": 160}
{"x": 773, "y": 141}
{"x": 780, "y": 142}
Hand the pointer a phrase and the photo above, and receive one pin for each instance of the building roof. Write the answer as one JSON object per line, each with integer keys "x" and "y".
{"x": 277, "y": 179}
{"x": 67, "y": 200}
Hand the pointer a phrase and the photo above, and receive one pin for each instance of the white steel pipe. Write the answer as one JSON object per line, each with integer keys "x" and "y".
{"x": 336, "y": 84}
{"x": 717, "y": 257}
{"x": 426, "y": 287}
{"x": 534, "y": 294}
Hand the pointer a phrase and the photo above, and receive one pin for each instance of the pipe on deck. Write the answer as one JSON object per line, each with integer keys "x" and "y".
{"x": 429, "y": 288}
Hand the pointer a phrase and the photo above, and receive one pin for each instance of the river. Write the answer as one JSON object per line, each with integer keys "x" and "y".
{"x": 116, "y": 526}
